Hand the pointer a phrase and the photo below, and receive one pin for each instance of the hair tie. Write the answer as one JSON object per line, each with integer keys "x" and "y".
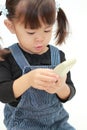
{"x": 57, "y": 5}
{"x": 3, "y": 10}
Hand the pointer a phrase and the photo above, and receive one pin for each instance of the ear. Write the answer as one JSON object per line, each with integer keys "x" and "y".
{"x": 9, "y": 25}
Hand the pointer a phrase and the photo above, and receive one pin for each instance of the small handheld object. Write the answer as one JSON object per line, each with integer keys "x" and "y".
{"x": 63, "y": 68}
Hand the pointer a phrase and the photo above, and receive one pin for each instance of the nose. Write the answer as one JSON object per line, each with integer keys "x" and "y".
{"x": 40, "y": 37}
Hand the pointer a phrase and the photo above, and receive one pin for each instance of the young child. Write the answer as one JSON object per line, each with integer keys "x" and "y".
{"x": 33, "y": 94}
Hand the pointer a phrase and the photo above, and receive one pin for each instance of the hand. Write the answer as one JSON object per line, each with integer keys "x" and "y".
{"x": 43, "y": 79}
{"x": 57, "y": 86}
{"x": 62, "y": 89}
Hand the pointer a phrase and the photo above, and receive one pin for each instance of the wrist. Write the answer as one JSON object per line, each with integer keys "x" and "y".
{"x": 63, "y": 92}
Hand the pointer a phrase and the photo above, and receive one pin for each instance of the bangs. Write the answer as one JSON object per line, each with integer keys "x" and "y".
{"x": 37, "y": 11}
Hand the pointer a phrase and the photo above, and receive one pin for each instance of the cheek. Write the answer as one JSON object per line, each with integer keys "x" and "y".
{"x": 49, "y": 37}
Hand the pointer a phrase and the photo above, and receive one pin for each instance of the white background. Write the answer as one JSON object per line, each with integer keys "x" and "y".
{"x": 75, "y": 47}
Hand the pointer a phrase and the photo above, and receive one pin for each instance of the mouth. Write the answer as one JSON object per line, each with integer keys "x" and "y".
{"x": 39, "y": 47}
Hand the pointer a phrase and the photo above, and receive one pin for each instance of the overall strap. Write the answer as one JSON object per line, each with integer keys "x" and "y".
{"x": 22, "y": 61}
{"x": 19, "y": 57}
{"x": 55, "y": 55}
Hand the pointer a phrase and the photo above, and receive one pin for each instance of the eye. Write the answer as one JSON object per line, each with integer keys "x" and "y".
{"x": 31, "y": 33}
{"x": 46, "y": 31}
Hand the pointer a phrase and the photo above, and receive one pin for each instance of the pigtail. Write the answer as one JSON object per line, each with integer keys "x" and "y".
{"x": 0, "y": 13}
{"x": 3, "y": 52}
{"x": 63, "y": 26}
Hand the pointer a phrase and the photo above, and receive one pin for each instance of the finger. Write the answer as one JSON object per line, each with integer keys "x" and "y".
{"x": 49, "y": 72}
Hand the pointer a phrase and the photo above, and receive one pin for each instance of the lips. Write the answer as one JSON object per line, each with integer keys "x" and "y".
{"x": 39, "y": 47}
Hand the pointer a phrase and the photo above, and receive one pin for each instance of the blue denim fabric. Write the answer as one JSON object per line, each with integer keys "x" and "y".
{"x": 37, "y": 110}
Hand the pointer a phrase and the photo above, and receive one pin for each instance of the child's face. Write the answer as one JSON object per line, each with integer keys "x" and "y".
{"x": 34, "y": 41}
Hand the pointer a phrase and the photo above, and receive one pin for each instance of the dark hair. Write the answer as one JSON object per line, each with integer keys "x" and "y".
{"x": 31, "y": 11}
{"x": 63, "y": 27}
{"x": 3, "y": 53}
{"x": 0, "y": 12}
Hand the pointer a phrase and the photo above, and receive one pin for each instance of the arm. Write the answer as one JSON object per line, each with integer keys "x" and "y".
{"x": 41, "y": 79}
{"x": 13, "y": 85}
{"x": 67, "y": 90}
{"x": 70, "y": 86}
{"x": 10, "y": 83}
{"x": 64, "y": 87}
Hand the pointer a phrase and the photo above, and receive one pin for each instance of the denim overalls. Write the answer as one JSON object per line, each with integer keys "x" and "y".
{"x": 37, "y": 110}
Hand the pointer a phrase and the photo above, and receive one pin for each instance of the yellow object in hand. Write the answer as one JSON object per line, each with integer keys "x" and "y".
{"x": 63, "y": 68}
